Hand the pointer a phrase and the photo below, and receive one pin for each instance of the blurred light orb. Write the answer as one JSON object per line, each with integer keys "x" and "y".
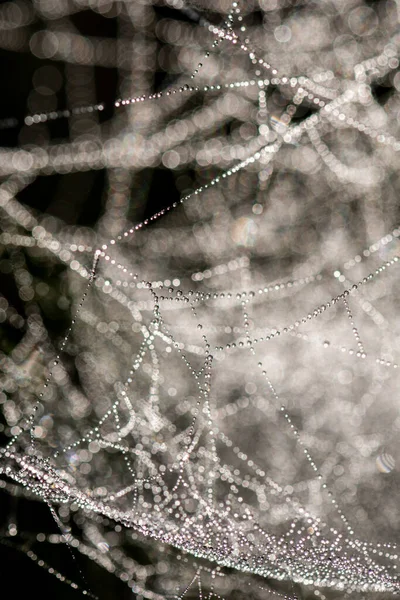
{"x": 385, "y": 463}
{"x": 283, "y": 34}
{"x": 363, "y": 21}
{"x": 103, "y": 547}
{"x": 244, "y": 232}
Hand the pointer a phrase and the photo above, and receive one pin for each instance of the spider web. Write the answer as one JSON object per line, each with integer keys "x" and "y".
{"x": 223, "y": 400}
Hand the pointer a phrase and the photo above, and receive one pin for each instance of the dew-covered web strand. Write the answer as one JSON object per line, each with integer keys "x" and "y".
{"x": 161, "y": 331}
{"x": 49, "y": 569}
{"x": 155, "y": 298}
{"x": 56, "y": 361}
{"x": 283, "y": 409}
{"x": 100, "y": 254}
{"x": 30, "y": 426}
{"x": 296, "y": 433}
{"x": 330, "y": 110}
